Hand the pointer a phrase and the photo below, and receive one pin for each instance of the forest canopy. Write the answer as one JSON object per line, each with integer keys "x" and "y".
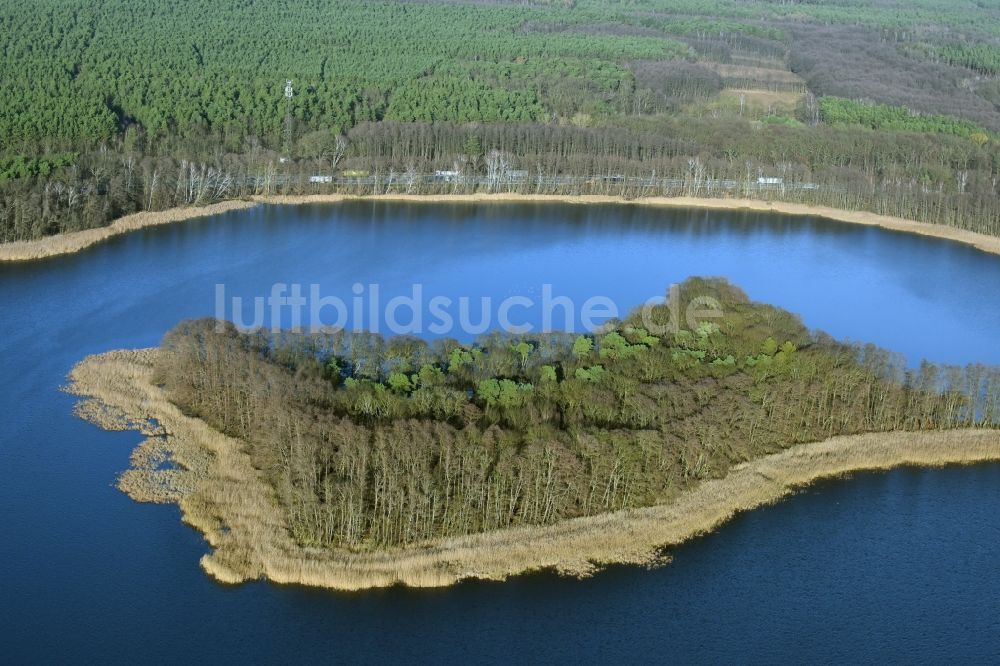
{"x": 83, "y": 72}
{"x": 110, "y": 107}
{"x": 371, "y": 442}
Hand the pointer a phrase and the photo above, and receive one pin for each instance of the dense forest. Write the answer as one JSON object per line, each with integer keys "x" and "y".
{"x": 371, "y": 442}
{"x": 110, "y": 107}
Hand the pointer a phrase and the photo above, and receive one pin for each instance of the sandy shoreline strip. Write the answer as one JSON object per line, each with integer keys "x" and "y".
{"x": 222, "y": 495}
{"x": 59, "y": 244}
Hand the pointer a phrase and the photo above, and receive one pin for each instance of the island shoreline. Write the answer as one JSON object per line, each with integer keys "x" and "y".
{"x": 72, "y": 242}
{"x": 224, "y": 497}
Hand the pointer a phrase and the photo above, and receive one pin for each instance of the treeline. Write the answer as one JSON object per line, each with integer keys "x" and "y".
{"x": 848, "y": 62}
{"x": 896, "y": 18}
{"x": 840, "y": 111}
{"x": 984, "y": 58}
{"x": 940, "y": 179}
{"x": 373, "y": 442}
{"x": 21, "y": 166}
{"x": 671, "y": 85}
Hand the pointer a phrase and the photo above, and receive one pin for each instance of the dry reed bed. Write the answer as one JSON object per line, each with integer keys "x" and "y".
{"x": 79, "y": 240}
{"x": 223, "y": 496}
{"x": 68, "y": 243}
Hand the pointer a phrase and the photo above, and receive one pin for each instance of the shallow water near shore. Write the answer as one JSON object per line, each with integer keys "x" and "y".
{"x": 900, "y": 565}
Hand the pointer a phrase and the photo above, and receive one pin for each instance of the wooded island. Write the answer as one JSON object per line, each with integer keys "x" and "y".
{"x": 364, "y": 447}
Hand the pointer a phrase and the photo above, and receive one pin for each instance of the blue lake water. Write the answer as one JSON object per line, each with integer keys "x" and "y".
{"x": 899, "y": 567}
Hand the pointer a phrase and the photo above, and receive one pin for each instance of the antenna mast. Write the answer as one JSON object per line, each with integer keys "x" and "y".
{"x": 289, "y": 93}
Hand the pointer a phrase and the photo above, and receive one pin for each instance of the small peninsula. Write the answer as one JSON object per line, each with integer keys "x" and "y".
{"x": 350, "y": 461}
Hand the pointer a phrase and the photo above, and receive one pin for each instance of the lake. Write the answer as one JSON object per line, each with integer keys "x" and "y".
{"x": 900, "y": 567}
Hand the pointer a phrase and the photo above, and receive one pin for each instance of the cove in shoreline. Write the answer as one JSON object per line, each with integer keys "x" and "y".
{"x": 70, "y": 243}
{"x": 222, "y": 495}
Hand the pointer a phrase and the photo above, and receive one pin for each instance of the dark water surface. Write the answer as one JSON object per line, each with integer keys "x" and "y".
{"x": 903, "y": 566}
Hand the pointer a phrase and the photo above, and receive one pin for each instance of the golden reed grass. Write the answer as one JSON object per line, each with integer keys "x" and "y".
{"x": 75, "y": 241}
{"x": 68, "y": 243}
{"x": 222, "y": 495}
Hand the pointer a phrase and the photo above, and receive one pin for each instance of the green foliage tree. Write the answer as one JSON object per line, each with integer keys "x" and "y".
{"x": 583, "y": 347}
{"x": 400, "y": 382}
